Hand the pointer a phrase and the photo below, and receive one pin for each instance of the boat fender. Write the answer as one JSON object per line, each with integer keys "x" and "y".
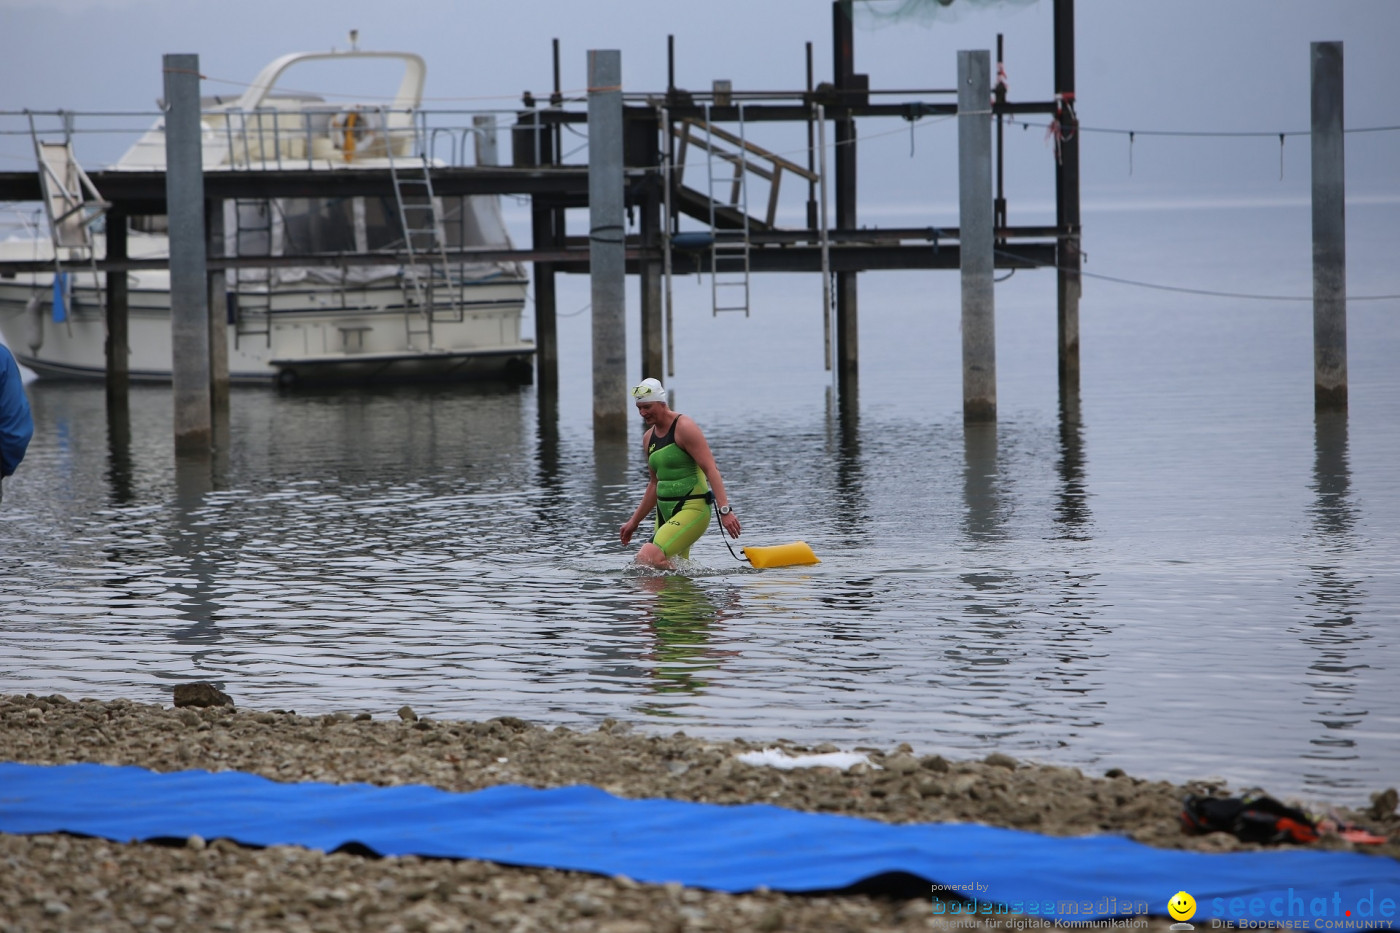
{"x": 782, "y": 555}
{"x": 34, "y": 321}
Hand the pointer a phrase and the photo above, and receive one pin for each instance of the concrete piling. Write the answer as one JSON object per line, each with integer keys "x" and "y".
{"x": 606, "y": 248}
{"x": 1329, "y": 229}
{"x": 189, "y": 296}
{"x": 976, "y": 236}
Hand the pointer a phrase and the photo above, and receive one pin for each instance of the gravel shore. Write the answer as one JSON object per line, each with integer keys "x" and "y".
{"x": 69, "y": 883}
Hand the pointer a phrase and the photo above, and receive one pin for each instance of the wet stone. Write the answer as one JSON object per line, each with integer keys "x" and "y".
{"x": 200, "y": 694}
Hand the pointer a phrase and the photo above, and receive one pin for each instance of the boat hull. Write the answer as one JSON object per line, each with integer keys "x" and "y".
{"x": 311, "y": 336}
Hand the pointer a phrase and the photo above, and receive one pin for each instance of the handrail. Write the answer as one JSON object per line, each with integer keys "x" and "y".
{"x": 743, "y": 144}
{"x": 273, "y": 135}
{"x": 683, "y": 130}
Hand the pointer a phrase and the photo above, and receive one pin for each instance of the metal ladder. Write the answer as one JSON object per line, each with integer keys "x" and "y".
{"x": 72, "y": 205}
{"x": 427, "y": 269}
{"x": 729, "y": 250}
{"x": 252, "y": 308}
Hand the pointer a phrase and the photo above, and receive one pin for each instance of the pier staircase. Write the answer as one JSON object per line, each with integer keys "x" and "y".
{"x": 730, "y": 162}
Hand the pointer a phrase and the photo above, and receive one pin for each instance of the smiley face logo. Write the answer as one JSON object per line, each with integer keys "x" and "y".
{"x": 1182, "y": 906}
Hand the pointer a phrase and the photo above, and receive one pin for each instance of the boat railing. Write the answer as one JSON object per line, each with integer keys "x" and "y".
{"x": 309, "y": 135}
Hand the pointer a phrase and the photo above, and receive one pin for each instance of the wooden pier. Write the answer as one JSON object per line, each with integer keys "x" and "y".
{"x": 654, "y": 127}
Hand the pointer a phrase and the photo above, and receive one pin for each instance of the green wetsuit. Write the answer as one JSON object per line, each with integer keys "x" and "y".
{"x": 682, "y": 495}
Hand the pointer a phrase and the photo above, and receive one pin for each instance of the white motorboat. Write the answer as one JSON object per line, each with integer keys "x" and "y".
{"x": 421, "y": 314}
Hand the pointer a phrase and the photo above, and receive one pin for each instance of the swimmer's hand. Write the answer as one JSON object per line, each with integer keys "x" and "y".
{"x": 628, "y": 529}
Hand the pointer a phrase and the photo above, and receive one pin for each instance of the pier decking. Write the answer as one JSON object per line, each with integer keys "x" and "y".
{"x": 737, "y": 239}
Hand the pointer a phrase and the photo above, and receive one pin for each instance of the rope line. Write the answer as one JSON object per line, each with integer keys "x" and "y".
{"x": 1271, "y": 134}
{"x": 1157, "y": 286}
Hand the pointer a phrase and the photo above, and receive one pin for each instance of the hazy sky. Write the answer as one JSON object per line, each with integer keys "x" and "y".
{"x": 1207, "y": 65}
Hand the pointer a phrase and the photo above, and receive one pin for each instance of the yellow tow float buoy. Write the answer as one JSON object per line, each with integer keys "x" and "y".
{"x": 781, "y": 555}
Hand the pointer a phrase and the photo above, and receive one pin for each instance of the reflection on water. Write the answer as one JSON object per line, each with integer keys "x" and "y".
{"x": 119, "y": 448}
{"x": 195, "y": 591}
{"x": 1072, "y": 512}
{"x": 843, "y": 450}
{"x": 1333, "y": 513}
{"x": 456, "y": 549}
{"x": 983, "y": 519}
{"x": 1336, "y": 599}
{"x": 682, "y": 617}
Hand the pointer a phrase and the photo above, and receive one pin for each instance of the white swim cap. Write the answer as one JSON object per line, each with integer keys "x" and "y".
{"x": 649, "y": 390}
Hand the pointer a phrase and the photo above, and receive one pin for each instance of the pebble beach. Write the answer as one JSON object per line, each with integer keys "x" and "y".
{"x": 63, "y": 883}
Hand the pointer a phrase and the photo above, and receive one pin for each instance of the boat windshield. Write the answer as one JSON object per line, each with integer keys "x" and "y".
{"x": 318, "y": 225}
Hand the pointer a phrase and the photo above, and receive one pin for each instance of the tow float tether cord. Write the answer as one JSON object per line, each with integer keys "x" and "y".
{"x": 722, "y": 536}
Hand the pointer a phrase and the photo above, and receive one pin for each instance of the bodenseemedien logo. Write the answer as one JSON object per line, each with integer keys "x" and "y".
{"x": 1182, "y": 907}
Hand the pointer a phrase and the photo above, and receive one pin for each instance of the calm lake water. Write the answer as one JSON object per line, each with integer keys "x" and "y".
{"x": 1197, "y": 579}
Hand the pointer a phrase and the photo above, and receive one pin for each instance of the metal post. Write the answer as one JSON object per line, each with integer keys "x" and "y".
{"x": 1329, "y": 229}
{"x": 543, "y": 236}
{"x": 643, "y": 149}
{"x": 979, "y": 356}
{"x": 999, "y": 205}
{"x": 484, "y": 136}
{"x": 189, "y": 286}
{"x": 544, "y": 226}
{"x": 546, "y": 325}
{"x": 607, "y": 256}
{"x": 218, "y": 317}
{"x": 666, "y": 239}
{"x": 118, "y": 361}
{"x": 649, "y": 283}
{"x": 847, "y": 336}
{"x": 556, "y": 102}
{"x": 811, "y": 148}
{"x": 825, "y": 239}
{"x": 670, "y": 66}
{"x": 118, "y": 314}
{"x": 1068, "y": 281}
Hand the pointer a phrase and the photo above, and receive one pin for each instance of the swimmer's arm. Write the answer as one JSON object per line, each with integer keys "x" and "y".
{"x": 629, "y": 527}
{"x": 692, "y": 440}
{"x": 648, "y": 503}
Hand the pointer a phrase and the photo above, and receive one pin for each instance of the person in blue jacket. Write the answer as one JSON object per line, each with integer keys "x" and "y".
{"x": 16, "y": 423}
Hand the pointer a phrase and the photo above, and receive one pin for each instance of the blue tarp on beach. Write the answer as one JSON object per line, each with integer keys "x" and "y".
{"x": 724, "y": 848}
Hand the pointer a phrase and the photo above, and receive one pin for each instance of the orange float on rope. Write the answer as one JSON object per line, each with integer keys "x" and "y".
{"x": 781, "y": 555}
{"x": 351, "y": 119}
{"x": 354, "y": 133}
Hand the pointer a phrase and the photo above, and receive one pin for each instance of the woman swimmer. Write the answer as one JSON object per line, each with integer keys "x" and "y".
{"x": 684, "y": 479}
